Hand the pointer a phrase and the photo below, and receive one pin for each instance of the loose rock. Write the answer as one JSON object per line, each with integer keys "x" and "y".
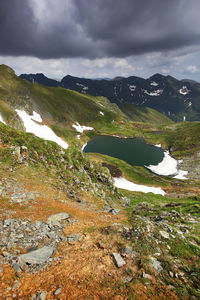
{"x": 164, "y": 234}
{"x": 118, "y": 260}
{"x": 40, "y": 296}
{"x": 59, "y": 217}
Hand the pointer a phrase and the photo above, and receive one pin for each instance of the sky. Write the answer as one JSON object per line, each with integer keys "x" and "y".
{"x": 101, "y": 38}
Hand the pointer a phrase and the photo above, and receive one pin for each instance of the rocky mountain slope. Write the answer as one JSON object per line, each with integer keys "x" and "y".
{"x": 177, "y": 99}
{"x": 66, "y": 231}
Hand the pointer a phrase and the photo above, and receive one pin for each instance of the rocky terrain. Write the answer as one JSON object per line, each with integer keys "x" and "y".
{"x": 80, "y": 240}
{"x": 66, "y": 232}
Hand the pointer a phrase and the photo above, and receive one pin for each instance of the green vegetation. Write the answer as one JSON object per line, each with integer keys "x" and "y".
{"x": 73, "y": 173}
{"x": 136, "y": 174}
{"x": 64, "y": 107}
{"x": 70, "y": 166}
{"x": 178, "y": 253}
{"x": 183, "y": 137}
{"x": 144, "y": 114}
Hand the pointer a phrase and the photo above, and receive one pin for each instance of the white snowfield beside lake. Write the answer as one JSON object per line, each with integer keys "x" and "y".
{"x": 41, "y": 131}
{"x": 1, "y": 120}
{"x": 80, "y": 128}
{"x": 168, "y": 166}
{"x": 84, "y": 146}
{"x": 122, "y": 183}
{"x": 181, "y": 174}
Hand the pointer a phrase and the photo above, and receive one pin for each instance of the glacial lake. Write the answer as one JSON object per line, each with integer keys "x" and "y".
{"x": 134, "y": 151}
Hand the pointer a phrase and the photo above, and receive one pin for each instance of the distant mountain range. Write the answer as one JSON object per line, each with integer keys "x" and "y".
{"x": 177, "y": 99}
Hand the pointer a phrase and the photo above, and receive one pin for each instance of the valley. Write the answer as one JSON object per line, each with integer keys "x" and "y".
{"x": 95, "y": 240}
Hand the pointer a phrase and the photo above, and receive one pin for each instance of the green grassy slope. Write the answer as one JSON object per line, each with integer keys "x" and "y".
{"x": 61, "y": 106}
{"x": 144, "y": 114}
{"x": 183, "y": 138}
{"x": 57, "y": 104}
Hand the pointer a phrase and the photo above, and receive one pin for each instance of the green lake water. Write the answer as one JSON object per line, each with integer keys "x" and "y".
{"x": 134, "y": 151}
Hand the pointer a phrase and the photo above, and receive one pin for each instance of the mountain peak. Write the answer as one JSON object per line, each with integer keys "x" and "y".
{"x": 40, "y": 78}
{"x": 6, "y": 69}
{"x": 157, "y": 76}
{"x": 118, "y": 78}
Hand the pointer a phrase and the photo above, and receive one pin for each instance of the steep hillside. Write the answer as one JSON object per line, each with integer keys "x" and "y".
{"x": 65, "y": 227}
{"x": 56, "y": 104}
{"x": 65, "y": 230}
{"x": 143, "y": 114}
{"x": 177, "y": 99}
{"x": 59, "y": 107}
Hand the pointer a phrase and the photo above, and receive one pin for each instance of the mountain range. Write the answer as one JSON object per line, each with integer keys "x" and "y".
{"x": 177, "y": 99}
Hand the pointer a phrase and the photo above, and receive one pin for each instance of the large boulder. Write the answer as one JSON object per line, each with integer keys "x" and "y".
{"x": 59, "y": 217}
{"x": 36, "y": 257}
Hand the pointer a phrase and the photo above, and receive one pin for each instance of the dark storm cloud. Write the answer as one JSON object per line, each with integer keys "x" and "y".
{"x": 16, "y": 27}
{"x": 97, "y": 28}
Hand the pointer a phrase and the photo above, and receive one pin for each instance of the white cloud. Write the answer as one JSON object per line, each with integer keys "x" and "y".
{"x": 54, "y": 68}
{"x": 96, "y": 63}
{"x": 117, "y": 63}
{"x": 175, "y": 64}
{"x": 165, "y": 71}
{"x": 122, "y": 64}
{"x": 192, "y": 69}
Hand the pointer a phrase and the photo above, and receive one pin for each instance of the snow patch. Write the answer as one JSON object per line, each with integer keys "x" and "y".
{"x": 39, "y": 130}
{"x": 122, "y": 183}
{"x": 154, "y": 83}
{"x": 181, "y": 175}
{"x": 1, "y": 120}
{"x": 101, "y": 113}
{"x": 117, "y": 136}
{"x": 83, "y": 87}
{"x": 80, "y": 128}
{"x": 84, "y": 146}
{"x": 184, "y": 90}
{"x": 115, "y": 90}
{"x": 78, "y": 136}
{"x": 154, "y": 93}
{"x": 132, "y": 87}
{"x": 168, "y": 166}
